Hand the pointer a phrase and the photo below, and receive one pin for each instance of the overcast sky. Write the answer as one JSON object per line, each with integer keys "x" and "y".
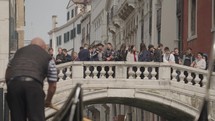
{"x": 39, "y": 17}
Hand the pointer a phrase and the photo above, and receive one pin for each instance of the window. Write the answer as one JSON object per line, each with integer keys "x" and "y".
{"x": 59, "y": 40}
{"x": 159, "y": 24}
{"x": 78, "y": 28}
{"x": 71, "y": 34}
{"x": 83, "y": 32}
{"x": 192, "y": 17}
{"x": 68, "y": 15}
{"x": 64, "y": 37}
{"x": 150, "y": 18}
{"x": 67, "y": 36}
{"x": 179, "y": 6}
{"x": 74, "y": 30}
{"x": 50, "y": 42}
{"x": 76, "y": 10}
{"x": 72, "y": 13}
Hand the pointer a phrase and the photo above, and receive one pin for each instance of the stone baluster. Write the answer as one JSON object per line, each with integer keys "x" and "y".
{"x": 182, "y": 76}
{"x": 189, "y": 78}
{"x": 146, "y": 73}
{"x": 174, "y": 75}
{"x": 102, "y": 73}
{"x": 110, "y": 72}
{"x": 204, "y": 80}
{"x": 197, "y": 80}
{"x": 87, "y": 72}
{"x": 95, "y": 72}
{"x": 60, "y": 75}
{"x": 130, "y": 72}
{"x": 138, "y": 73}
{"x": 68, "y": 73}
{"x": 153, "y": 73}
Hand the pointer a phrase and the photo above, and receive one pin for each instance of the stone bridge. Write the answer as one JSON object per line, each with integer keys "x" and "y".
{"x": 172, "y": 91}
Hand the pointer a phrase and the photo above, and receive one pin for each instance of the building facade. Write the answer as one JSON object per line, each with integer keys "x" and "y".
{"x": 98, "y": 33}
{"x": 148, "y": 21}
{"x": 85, "y": 28}
{"x": 12, "y": 18}
{"x": 4, "y": 35}
{"x": 68, "y": 36}
{"x": 20, "y": 21}
{"x": 198, "y": 25}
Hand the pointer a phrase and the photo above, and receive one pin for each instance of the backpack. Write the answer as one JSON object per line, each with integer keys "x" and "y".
{"x": 120, "y": 55}
{"x": 144, "y": 56}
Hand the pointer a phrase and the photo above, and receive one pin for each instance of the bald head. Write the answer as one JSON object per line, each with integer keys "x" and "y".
{"x": 38, "y": 41}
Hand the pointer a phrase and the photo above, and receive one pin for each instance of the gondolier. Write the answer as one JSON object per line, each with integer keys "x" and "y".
{"x": 24, "y": 77}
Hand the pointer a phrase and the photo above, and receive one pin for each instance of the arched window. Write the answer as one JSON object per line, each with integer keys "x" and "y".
{"x": 192, "y": 17}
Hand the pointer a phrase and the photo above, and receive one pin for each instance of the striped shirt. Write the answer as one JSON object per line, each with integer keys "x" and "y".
{"x": 52, "y": 72}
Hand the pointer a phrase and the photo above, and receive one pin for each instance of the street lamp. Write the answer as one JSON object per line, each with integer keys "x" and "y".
{"x": 83, "y": 2}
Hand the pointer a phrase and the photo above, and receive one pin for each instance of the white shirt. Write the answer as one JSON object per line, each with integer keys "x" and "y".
{"x": 201, "y": 64}
{"x": 130, "y": 57}
{"x": 168, "y": 58}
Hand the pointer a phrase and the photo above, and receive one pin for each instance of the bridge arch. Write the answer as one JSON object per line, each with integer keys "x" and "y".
{"x": 168, "y": 108}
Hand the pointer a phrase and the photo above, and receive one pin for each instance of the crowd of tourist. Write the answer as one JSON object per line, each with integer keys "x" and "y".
{"x": 106, "y": 52}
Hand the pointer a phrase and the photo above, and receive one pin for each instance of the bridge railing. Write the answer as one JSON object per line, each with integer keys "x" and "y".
{"x": 100, "y": 75}
{"x": 132, "y": 71}
{"x": 189, "y": 75}
{"x": 108, "y": 70}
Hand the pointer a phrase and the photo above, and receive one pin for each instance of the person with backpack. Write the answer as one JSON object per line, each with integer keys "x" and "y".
{"x": 158, "y": 53}
{"x": 188, "y": 58}
{"x": 151, "y": 50}
{"x": 121, "y": 54}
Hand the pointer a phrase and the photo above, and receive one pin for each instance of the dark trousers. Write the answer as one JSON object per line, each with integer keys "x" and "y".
{"x": 26, "y": 100}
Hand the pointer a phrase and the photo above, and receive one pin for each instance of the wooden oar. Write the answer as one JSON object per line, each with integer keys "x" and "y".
{"x": 54, "y": 107}
{"x": 86, "y": 119}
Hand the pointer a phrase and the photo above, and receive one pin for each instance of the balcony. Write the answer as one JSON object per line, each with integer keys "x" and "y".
{"x": 112, "y": 28}
{"x": 126, "y": 8}
{"x": 114, "y": 16}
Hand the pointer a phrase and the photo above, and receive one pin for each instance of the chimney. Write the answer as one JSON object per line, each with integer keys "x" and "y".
{"x": 54, "y": 21}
